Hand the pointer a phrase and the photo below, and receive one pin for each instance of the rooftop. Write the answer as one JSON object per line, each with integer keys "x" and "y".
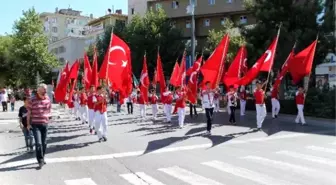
{"x": 102, "y": 18}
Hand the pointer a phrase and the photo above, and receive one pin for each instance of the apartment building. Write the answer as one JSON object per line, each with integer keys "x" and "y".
{"x": 96, "y": 26}
{"x": 64, "y": 23}
{"x": 137, "y": 7}
{"x": 209, "y": 14}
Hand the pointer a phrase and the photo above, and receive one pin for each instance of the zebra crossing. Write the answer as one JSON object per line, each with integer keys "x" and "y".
{"x": 305, "y": 166}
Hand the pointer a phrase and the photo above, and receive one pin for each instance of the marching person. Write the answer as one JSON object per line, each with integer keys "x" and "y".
{"x": 101, "y": 114}
{"x": 142, "y": 104}
{"x": 275, "y": 102}
{"x": 208, "y": 98}
{"x": 129, "y": 103}
{"x": 153, "y": 101}
{"x": 28, "y": 134}
{"x": 83, "y": 99}
{"x": 168, "y": 100}
{"x": 216, "y": 99}
{"x": 232, "y": 98}
{"x": 242, "y": 97}
{"x": 300, "y": 99}
{"x": 259, "y": 95}
{"x": 76, "y": 104}
{"x": 91, "y": 107}
{"x": 39, "y": 109}
{"x": 12, "y": 102}
{"x": 180, "y": 97}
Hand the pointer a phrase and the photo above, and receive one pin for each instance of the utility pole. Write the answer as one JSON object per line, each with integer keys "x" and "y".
{"x": 193, "y": 42}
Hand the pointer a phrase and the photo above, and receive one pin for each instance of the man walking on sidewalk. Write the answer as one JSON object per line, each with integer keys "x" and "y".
{"x": 39, "y": 109}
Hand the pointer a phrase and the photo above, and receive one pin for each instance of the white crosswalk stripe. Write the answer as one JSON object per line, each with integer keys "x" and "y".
{"x": 188, "y": 177}
{"x": 84, "y": 181}
{"x": 308, "y": 157}
{"x": 5, "y": 122}
{"x": 245, "y": 173}
{"x": 140, "y": 178}
{"x": 322, "y": 149}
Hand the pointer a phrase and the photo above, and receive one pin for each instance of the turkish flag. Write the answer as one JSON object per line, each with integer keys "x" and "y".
{"x": 94, "y": 75}
{"x": 268, "y": 63}
{"x": 182, "y": 72}
{"x": 254, "y": 71}
{"x": 144, "y": 80}
{"x": 196, "y": 66}
{"x": 233, "y": 74}
{"x": 103, "y": 69}
{"x": 301, "y": 64}
{"x": 283, "y": 71}
{"x": 192, "y": 82}
{"x": 87, "y": 72}
{"x": 60, "y": 91}
{"x": 160, "y": 76}
{"x": 213, "y": 68}
{"x": 174, "y": 76}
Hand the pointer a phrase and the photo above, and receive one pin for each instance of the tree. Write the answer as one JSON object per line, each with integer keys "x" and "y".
{"x": 236, "y": 40}
{"x": 30, "y": 48}
{"x": 146, "y": 34}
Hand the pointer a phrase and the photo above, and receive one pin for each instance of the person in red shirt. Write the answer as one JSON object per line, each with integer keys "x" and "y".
{"x": 300, "y": 99}
{"x": 181, "y": 97}
{"x": 275, "y": 102}
{"x": 153, "y": 101}
{"x": 259, "y": 95}
{"x": 91, "y": 104}
{"x": 242, "y": 97}
{"x": 142, "y": 104}
{"x": 101, "y": 113}
{"x": 83, "y": 109}
{"x": 168, "y": 100}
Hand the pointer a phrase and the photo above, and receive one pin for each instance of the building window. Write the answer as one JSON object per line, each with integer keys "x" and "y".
{"x": 211, "y": 2}
{"x": 206, "y": 22}
{"x": 243, "y": 19}
{"x": 132, "y": 11}
{"x": 194, "y": 2}
{"x": 46, "y": 28}
{"x": 53, "y": 20}
{"x": 173, "y": 24}
{"x": 229, "y": 1}
{"x": 158, "y": 6}
{"x": 54, "y": 29}
{"x": 62, "y": 61}
{"x": 188, "y": 24}
{"x": 222, "y": 20}
{"x": 54, "y": 39}
{"x": 61, "y": 49}
{"x": 175, "y": 4}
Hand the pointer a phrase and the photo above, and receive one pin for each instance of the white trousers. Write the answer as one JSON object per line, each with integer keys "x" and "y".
{"x": 261, "y": 114}
{"x": 77, "y": 113}
{"x": 216, "y": 102}
{"x": 101, "y": 123}
{"x": 300, "y": 115}
{"x": 142, "y": 110}
{"x": 168, "y": 111}
{"x": 242, "y": 107}
{"x": 91, "y": 118}
{"x": 181, "y": 115}
{"x": 275, "y": 107}
{"x": 155, "y": 110}
{"x": 84, "y": 113}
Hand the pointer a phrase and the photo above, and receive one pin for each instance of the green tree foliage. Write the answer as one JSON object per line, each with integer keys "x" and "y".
{"x": 236, "y": 40}
{"x": 6, "y": 60}
{"x": 146, "y": 34}
{"x": 299, "y": 24}
{"x": 30, "y": 48}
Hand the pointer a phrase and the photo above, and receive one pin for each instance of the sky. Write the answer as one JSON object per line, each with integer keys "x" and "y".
{"x": 12, "y": 9}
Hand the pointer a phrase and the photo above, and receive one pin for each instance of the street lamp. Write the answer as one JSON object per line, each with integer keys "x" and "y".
{"x": 191, "y": 11}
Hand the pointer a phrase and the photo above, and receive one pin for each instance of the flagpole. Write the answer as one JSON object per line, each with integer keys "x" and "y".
{"x": 268, "y": 75}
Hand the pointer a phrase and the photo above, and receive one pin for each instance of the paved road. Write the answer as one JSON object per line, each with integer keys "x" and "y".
{"x": 145, "y": 152}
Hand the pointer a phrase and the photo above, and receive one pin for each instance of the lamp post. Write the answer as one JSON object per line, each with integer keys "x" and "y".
{"x": 191, "y": 10}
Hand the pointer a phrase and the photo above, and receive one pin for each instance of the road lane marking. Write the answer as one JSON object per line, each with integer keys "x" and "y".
{"x": 308, "y": 157}
{"x": 140, "y": 178}
{"x": 84, "y": 181}
{"x": 141, "y": 152}
{"x": 322, "y": 149}
{"x": 245, "y": 173}
{"x": 188, "y": 176}
{"x": 8, "y": 121}
{"x": 290, "y": 167}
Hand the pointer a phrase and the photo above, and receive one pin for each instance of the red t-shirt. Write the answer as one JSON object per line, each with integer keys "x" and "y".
{"x": 169, "y": 99}
{"x": 141, "y": 100}
{"x": 299, "y": 99}
{"x": 90, "y": 101}
{"x": 83, "y": 99}
{"x": 259, "y": 96}
{"x": 153, "y": 99}
{"x": 243, "y": 95}
{"x": 180, "y": 101}
{"x": 274, "y": 94}
{"x": 101, "y": 107}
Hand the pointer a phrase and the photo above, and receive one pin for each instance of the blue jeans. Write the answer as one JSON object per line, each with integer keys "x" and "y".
{"x": 40, "y": 132}
{"x": 12, "y": 106}
{"x": 28, "y": 134}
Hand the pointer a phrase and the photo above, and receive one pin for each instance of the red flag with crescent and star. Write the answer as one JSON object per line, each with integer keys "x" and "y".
{"x": 102, "y": 71}
{"x": 87, "y": 72}
{"x": 144, "y": 80}
{"x": 192, "y": 82}
{"x": 270, "y": 54}
{"x": 182, "y": 73}
{"x": 284, "y": 70}
{"x": 160, "y": 76}
{"x": 174, "y": 76}
{"x": 60, "y": 91}
{"x": 232, "y": 76}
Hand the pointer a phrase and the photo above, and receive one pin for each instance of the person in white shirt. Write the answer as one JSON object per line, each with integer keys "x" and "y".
{"x": 76, "y": 103}
{"x": 3, "y": 98}
{"x": 231, "y": 99}
{"x": 208, "y": 103}
{"x": 153, "y": 101}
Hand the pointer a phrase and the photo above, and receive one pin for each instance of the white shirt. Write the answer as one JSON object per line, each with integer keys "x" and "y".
{"x": 208, "y": 99}
{"x": 167, "y": 93}
{"x": 229, "y": 95}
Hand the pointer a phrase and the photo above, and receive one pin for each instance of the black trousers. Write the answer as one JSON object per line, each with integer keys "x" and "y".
{"x": 232, "y": 115}
{"x": 130, "y": 107}
{"x": 40, "y": 132}
{"x": 4, "y": 106}
{"x": 192, "y": 109}
{"x": 208, "y": 114}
